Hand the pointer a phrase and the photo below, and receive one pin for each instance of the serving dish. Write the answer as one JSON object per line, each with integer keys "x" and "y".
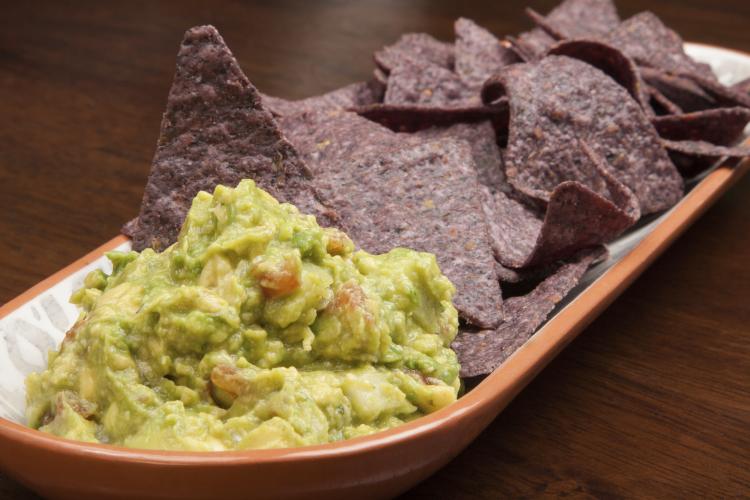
{"x": 380, "y": 465}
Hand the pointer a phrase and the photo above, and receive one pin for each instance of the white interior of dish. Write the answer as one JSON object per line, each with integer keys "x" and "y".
{"x": 29, "y": 332}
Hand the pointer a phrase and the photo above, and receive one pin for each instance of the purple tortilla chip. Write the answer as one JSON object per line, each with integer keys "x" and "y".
{"x": 721, "y": 126}
{"x": 508, "y": 275}
{"x": 356, "y": 94}
{"x": 511, "y": 279}
{"x": 542, "y": 23}
{"x": 692, "y": 157}
{"x": 724, "y": 96}
{"x": 422, "y": 197}
{"x": 650, "y": 43}
{"x": 214, "y": 131}
{"x": 551, "y": 108}
{"x": 685, "y": 93}
{"x": 571, "y": 19}
{"x": 484, "y": 149}
{"x": 427, "y": 84}
{"x": 479, "y": 54}
{"x": 576, "y": 217}
{"x": 326, "y": 138}
{"x": 410, "y": 118}
{"x": 661, "y": 104}
{"x": 608, "y": 59}
{"x": 583, "y": 18}
{"x": 419, "y": 47}
{"x": 479, "y": 353}
{"x": 532, "y": 45}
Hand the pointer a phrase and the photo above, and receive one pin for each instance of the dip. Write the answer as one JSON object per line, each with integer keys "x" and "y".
{"x": 256, "y": 329}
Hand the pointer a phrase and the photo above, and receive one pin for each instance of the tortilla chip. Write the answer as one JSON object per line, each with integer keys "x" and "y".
{"x": 427, "y": 84}
{"x": 532, "y": 45}
{"x": 646, "y": 40}
{"x": 325, "y": 138}
{"x": 481, "y": 137}
{"x": 215, "y": 131}
{"x": 356, "y": 94}
{"x": 570, "y": 19}
{"x": 723, "y": 95}
{"x": 609, "y": 60}
{"x": 415, "y": 47}
{"x": 575, "y": 218}
{"x": 421, "y": 197}
{"x": 479, "y": 54}
{"x": 583, "y": 18}
{"x": 686, "y": 94}
{"x": 721, "y": 126}
{"x": 479, "y": 353}
{"x": 551, "y": 107}
{"x": 410, "y": 118}
{"x": 542, "y": 23}
{"x": 660, "y": 104}
{"x": 691, "y": 157}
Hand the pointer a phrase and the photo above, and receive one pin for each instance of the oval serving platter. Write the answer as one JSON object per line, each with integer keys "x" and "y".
{"x": 378, "y": 465}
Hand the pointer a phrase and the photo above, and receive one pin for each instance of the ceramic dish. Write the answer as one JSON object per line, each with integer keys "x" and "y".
{"x": 379, "y": 465}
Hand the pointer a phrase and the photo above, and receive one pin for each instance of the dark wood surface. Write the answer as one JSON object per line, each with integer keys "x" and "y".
{"x": 653, "y": 399}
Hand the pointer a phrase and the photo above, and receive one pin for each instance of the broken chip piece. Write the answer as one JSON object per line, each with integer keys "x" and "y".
{"x": 479, "y": 353}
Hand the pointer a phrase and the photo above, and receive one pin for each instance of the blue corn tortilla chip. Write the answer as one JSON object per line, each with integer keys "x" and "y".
{"x": 480, "y": 352}
{"x": 583, "y": 18}
{"x": 646, "y": 40}
{"x": 427, "y": 84}
{"x": 723, "y": 95}
{"x": 370, "y": 172}
{"x": 215, "y": 130}
{"x": 523, "y": 236}
{"x": 551, "y": 108}
{"x": 479, "y": 54}
{"x": 720, "y": 126}
{"x": 488, "y": 161}
{"x": 609, "y": 60}
{"x": 692, "y": 157}
{"x": 570, "y": 19}
{"x": 324, "y": 138}
{"x": 684, "y": 93}
{"x": 421, "y": 196}
{"x": 419, "y": 47}
{"x": 355, "y": 94}
{"x": 413, "y": 117}
{"x": 660, "y": 104}
{"x": 531, "y": 45}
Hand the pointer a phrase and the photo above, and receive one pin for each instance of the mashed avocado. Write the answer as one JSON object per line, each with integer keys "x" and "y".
{"x": 256, "y": 329}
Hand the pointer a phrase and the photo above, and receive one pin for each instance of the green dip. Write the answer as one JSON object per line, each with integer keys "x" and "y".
{"x": 256, "y": 329}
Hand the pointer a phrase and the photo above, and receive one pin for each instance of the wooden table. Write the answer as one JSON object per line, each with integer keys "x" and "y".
{"x": 653, "y": 399}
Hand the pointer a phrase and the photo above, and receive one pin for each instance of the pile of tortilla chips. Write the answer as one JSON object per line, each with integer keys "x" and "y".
{"x": 512, "y": 160}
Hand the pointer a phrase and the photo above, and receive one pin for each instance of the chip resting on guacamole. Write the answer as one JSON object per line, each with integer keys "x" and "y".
{"x": 256, "y": 329}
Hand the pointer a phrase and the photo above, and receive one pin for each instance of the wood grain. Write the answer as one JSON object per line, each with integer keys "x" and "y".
{"x": 653, "y": 399}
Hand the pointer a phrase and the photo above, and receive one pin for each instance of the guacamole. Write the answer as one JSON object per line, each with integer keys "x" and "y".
{"x": 256, "y": 329}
